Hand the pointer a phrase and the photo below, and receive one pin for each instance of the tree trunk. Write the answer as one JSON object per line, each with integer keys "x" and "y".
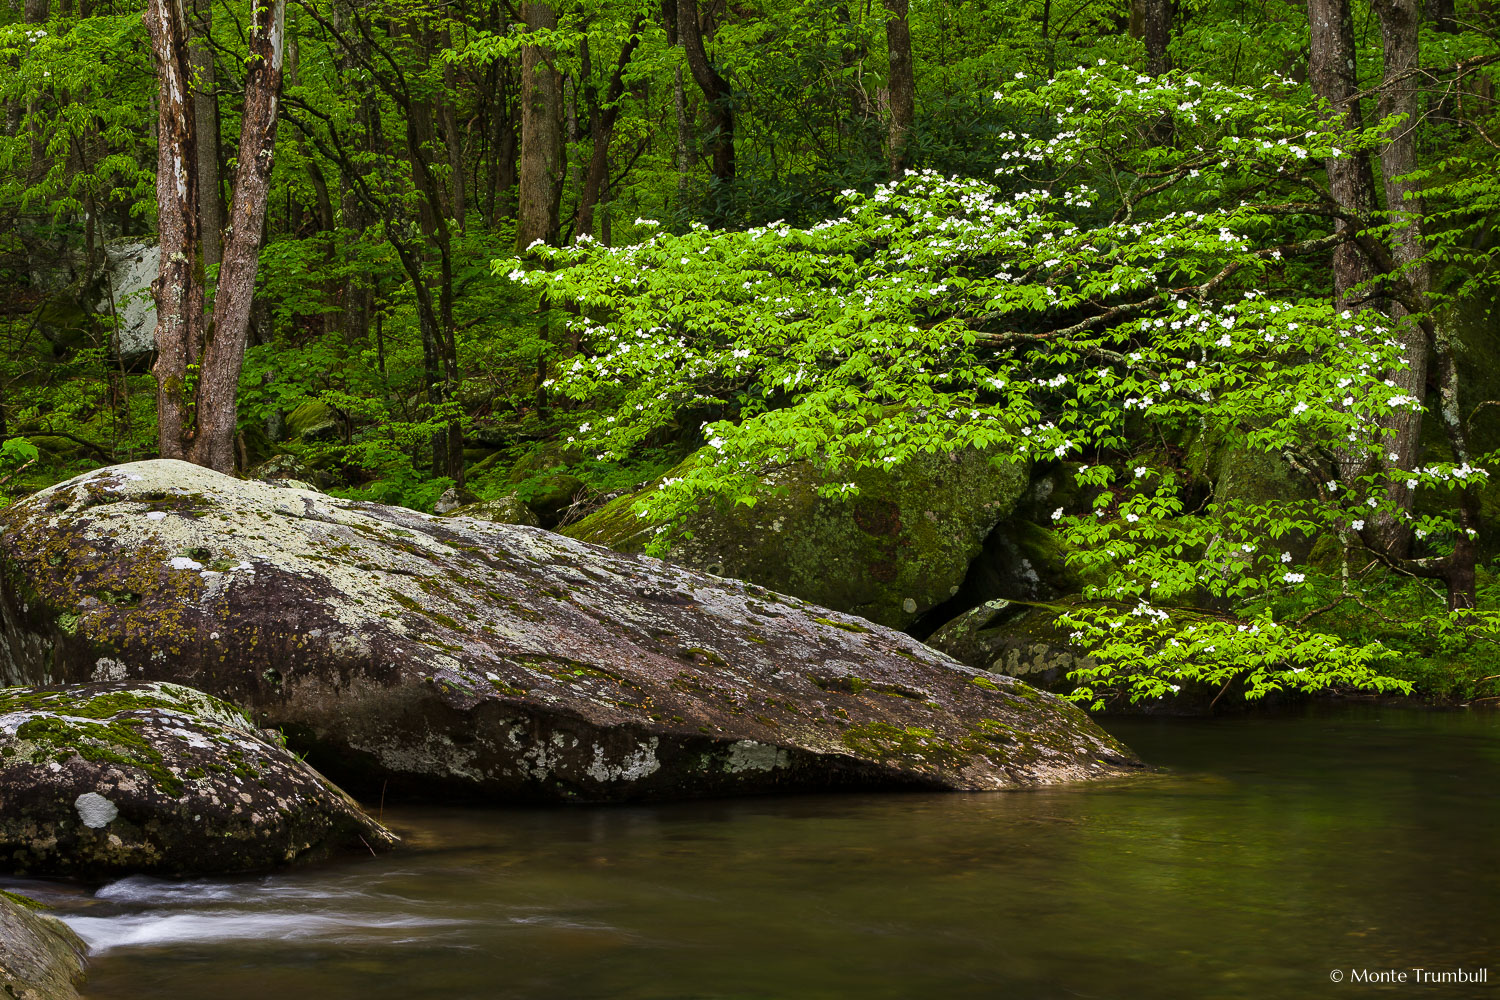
{"x": 715, "y": 88}
{"x": 225, "y": 353}
{"x": 685, "y": 158}
{"x": 206, "y": 131}
{"x": 542, "y": 165}
{"x": 355, "y": 217}
{"x": 179, "y": 284}
{"x": 1400, "y": 94}
{"x": 902, "y": 84}
{"x": 1156, "y": 30}
{"x": 1331, "y": 72}
{"x": 453, "y": 139}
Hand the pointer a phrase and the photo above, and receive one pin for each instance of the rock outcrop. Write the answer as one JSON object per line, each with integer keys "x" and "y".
{"x": 130, "y": 268}
{"x": 99, "y": 780}
{"x": 447, "y": 656}
{"x": 504, "y": 510}
{"x": 1017, "y": 640}
{"x": 898, "y": 549}
{"x": 40, "y": 958}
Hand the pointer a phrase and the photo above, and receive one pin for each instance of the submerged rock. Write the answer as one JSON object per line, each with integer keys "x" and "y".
{"x": 99, "y": 780}
{"x": 447, "y": 656}
{"x": 40, "y": 958}
{"x": 898, "y": 549}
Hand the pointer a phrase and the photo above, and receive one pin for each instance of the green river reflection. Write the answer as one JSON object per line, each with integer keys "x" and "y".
{"x": 1275, "y": 850}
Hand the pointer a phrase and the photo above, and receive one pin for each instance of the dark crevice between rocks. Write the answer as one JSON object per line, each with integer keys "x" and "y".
{"x": 1018, "y": 562}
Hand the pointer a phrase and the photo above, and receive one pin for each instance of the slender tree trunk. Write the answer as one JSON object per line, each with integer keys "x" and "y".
{"x": 685, "y": 156}
{"x": 542, "y": 162}
{"x": 504, "y": 174}
{"x": 206, "y": 131}
{"x": 179, "y": 284}
{"x": 453, "y": 139}
{"x": 602, "y": 125}
{"x": 355, "y": 216}
{"x": 225, "y": 353}
{"x": 902, "y": 84}
{"x": 37, "y": 12}
{"x": 1400, "y": 94}
{"x": 715, "y": 88}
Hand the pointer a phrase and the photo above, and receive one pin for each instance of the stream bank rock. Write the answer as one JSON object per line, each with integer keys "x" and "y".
{"x": 99, "y": 780}
{"x": 454, "y": 657}
{"x": 40, "y": 958}
{"x": 891, "y": 554}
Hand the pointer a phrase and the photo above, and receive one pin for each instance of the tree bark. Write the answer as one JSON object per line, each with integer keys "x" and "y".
{"x": 206, "y": 130}
{"x": 902, "y": 84}
{"x": 453, "y": 139}
{"x": 1331, "y": 72}
{"x": 1156, "y": 30}
{"x": 179, "y": 284}
{"x": 1400, "y": 21}
{"x": 225, "y": 352}
{"x": 542, "y": 164}
{"x": 715, "y": 88}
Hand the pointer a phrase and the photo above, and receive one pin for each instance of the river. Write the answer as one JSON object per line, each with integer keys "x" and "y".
{"x": 1272, "y": 853}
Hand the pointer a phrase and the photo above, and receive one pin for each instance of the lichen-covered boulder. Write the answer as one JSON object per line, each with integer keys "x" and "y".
{"x": 448, "y": 656}
{"x": 898, "y": 549}
{"x": 40, "y": 958}
{"x": 98, "y": 780}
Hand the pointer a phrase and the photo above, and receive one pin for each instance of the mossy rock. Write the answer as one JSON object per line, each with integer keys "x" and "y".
{"x": 453, "y": 498}
{"x": 505, "y": 510}
{"x": 287, "y": 469}
{"x": 1017, "y": 640}
{"x": 40, "y": 957}
{"x": 314, "y": 420}
{"x": 109, "y": 779}
{"x": 899, "y": 548}
{"x": 539, "y": 478}
{"x": 456, "y": 658}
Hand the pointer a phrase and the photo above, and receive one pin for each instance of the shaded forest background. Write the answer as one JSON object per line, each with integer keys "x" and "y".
{"x": 398, "y": 344}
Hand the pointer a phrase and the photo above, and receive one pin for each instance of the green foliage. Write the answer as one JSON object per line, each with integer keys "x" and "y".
{"x": 940, "y": 313}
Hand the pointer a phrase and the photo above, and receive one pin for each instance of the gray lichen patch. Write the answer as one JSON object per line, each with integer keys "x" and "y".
{"x": 449, "y": 656}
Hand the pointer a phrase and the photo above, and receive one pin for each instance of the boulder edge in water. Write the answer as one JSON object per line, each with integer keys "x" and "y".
{"x": 40, "y": 958}
{"x": 102, "y": 780}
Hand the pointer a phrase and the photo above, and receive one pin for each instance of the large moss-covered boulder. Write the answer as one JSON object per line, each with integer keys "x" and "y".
{"x": 40, "y": 958}
{"x": 890, "y": 554}
{"x": 448, "y": 656}
{"x": 99, "y": 780}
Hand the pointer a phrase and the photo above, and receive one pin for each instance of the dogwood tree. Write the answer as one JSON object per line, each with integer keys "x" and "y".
{"x": 1063, "y": 310}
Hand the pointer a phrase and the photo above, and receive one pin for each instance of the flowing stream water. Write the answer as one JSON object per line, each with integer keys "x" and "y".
{"x": 1272, "y": 853}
